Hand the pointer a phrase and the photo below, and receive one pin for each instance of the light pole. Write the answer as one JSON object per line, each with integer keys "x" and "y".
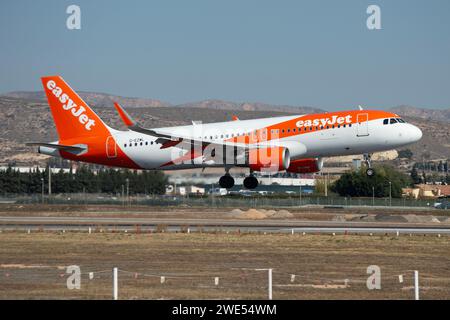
{"x": 300, "y": 193}
{"x": 49, "y": 180}
{"x": 128, "y": 191}
{"x": 42, "y": 190}
{"x": 373, "y": 196}
{"x": 390, "y": 194}
{"x": 123, "y": 195}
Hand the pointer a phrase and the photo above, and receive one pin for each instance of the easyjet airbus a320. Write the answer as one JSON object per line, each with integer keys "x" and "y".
{"x": 296, "y": 143}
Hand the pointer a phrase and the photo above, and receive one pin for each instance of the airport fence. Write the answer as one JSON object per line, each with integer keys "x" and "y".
{"x": 215, "y": 201}
{"x": 84, "y": 282}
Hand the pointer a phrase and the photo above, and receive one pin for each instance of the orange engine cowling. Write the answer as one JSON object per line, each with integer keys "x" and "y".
{"x": 305, "y": 165}
{"x": 269, "y": 159}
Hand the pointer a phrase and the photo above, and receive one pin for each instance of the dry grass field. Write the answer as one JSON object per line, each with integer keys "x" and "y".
{"x": 32, "y": 266}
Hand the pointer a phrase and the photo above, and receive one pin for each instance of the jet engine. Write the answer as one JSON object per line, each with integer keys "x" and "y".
{"x": 305, "y": 165}
{"x": 268, "y": 159}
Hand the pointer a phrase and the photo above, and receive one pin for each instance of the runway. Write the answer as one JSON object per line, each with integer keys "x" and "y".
{"x": 209, "y": 225}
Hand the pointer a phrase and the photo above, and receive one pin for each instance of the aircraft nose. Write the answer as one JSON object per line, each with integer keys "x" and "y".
{"x": 415, "y": 133}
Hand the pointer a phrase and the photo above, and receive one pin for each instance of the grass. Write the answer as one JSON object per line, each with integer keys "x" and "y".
{"x": 33, "y": 265}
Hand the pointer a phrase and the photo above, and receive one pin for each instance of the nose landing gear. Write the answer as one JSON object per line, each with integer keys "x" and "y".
{"x": 370, "y": 172}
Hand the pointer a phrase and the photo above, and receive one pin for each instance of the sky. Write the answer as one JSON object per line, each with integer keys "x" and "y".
{"x": 315, "y": 53}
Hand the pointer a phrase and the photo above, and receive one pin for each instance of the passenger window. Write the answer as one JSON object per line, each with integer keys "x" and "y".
{"x": 125, "y": 145}
{"x": 349, "y": 124}
{"x": 385, "y": 121}
{"x": 393, "y": 121}
{"x": 344, "y": 125}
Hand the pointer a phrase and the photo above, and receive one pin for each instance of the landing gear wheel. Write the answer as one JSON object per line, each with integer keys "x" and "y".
{"x": 370, "y": 172}
{"x": 367, "y": 159}
{"x": 250, "y": 182}
{"x": 226, "y": 181}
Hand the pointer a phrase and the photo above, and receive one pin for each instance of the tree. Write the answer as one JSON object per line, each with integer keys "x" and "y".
{"x": 405, "y": 153}
{"x": 424, "y": 177}
{"x": 106, "y": 181}
{"x": 415, "y": 176}
{"x": 358, "y": 184}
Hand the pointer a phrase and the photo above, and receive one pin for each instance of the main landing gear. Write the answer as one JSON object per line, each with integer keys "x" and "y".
{"x": 227, "y": 181}
{"x": 251, "y": 182}
{"x": 370, "y": 171}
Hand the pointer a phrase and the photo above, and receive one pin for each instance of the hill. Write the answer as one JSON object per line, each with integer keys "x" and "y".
{"x": 421, "y": 113}
{"x": 91, "y": 98}
{"x": 101, "y": 100}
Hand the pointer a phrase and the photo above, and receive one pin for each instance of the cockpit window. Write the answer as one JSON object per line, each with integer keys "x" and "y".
{"x": 393, "y": 121}
{"x": 385, "y": 121}
{"x": 401, "y": 120}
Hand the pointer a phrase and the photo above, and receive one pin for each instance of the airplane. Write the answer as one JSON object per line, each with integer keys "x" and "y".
{"x": 294, "y": 143}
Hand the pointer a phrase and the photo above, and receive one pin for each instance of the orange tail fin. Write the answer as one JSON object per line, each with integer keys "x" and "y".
{"x": 73, "y": 117}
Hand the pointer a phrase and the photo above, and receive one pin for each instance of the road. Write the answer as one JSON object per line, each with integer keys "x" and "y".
{"x": 174, "y": 225}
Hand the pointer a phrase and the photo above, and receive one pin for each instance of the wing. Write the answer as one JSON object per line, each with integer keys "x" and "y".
{"x": 239, "y": 150}
{"x": 167, "y": 139}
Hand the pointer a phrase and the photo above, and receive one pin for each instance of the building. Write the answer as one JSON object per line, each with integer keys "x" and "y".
{"x": 427, "y": 191}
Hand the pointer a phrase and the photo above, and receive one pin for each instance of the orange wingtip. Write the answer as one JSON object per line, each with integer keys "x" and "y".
{"x": 124, "y": 115}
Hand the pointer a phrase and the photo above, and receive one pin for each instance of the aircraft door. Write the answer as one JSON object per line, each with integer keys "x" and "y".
{"x": 111, "y": 147}
{"x": 362, "y": 126}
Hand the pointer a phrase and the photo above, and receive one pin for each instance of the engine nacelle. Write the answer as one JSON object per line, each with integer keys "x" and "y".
{"x": 269, "y": 159}
{"x": 305, "y": 165}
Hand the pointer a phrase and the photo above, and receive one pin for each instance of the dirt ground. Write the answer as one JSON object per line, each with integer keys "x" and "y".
{"x": 312, "y": 213}
{"x": 33, "y": 266}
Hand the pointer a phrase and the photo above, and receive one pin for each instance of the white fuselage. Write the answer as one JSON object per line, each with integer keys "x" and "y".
{"x": 356, "y": 138}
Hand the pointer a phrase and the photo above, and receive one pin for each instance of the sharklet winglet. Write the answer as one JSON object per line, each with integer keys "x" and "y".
{"x": 126, "y": 118}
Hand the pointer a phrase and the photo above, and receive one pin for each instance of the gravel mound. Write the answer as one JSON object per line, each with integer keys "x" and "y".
{"x": 254, "y": 214}
{"x": 236, "y": 213}
{"x": 421, "y": 219}
{"x": 282, "y": 214}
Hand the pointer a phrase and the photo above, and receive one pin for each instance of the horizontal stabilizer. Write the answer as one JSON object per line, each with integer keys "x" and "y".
{"x": 57, "y": 146}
